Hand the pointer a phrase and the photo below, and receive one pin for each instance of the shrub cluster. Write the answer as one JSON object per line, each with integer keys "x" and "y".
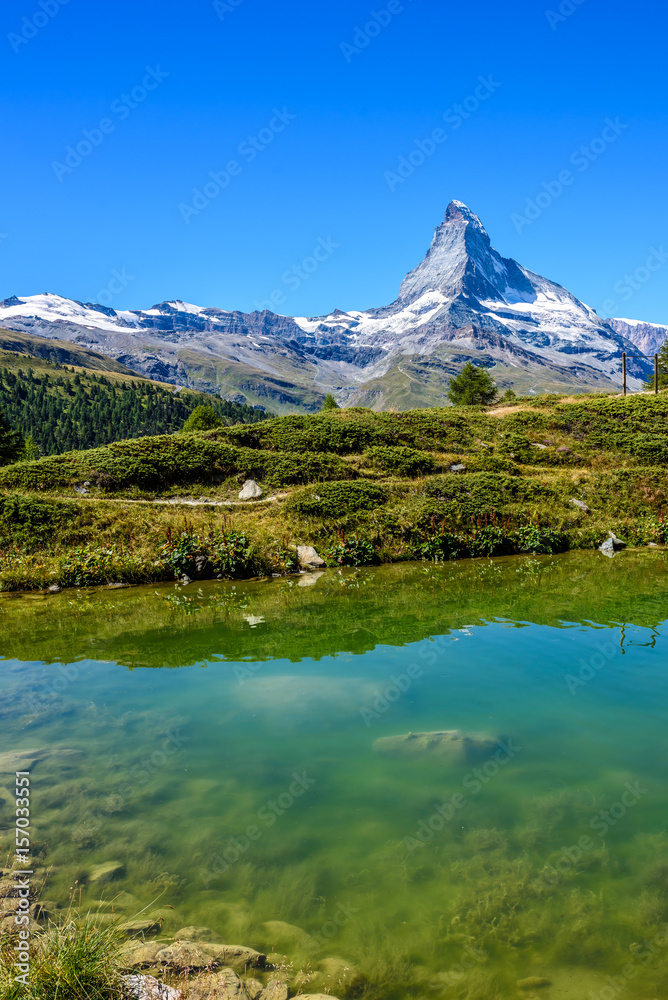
{"x": 491, "y": 539}
{"x": 399, "y": 460}
{"x": 337, "y": 499}
{"x": 228, "y": 555}
{"x": 153, "y": 463}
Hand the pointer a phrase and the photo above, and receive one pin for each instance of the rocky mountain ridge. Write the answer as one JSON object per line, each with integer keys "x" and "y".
{"x": 463, "y": 302}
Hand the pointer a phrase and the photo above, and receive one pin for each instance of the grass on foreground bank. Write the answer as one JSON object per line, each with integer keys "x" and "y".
{"x": 363, "y": 487}
{"x": 78, "y": 960}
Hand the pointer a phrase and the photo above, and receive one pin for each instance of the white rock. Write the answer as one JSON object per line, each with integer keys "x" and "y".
{"x": 148, "y": 988}
{"x": 251, "y": 491}
{"x": 580, "y": 505}
{"x": 308, "y": 556}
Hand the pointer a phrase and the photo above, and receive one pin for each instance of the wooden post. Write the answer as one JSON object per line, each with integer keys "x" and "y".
{"x": 656, "y": 374}
{"x": 624, "y": 372}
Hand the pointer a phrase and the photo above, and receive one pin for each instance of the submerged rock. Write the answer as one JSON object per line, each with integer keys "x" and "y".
{"x": 251, "y": 491}
{"x": 222, "y": 985}
{"x": 275, "y": 989}
{"x": 186, "y": 956}
{"x": 140, "y": 954}
{"x": 533, "y": 983}
{"x": 196, "y": 934}
{"x": 254, "y": 988}
{"x": 237, "y": 956}
{"x": 25, "y": 760}
{"x": 283, "y": 935}
{"x": 451, "y": 744}
{"x": 108, "y": 872}
{"x": 137, "y": 927}
{"x": 321, "y": 996}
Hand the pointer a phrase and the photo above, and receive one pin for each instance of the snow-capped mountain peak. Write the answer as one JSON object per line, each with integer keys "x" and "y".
{"x": 463, "y": 302}
{"x": 462, "y": 261}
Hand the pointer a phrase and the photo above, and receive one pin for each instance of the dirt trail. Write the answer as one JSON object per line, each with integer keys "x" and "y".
{"x": 193, "y": 503}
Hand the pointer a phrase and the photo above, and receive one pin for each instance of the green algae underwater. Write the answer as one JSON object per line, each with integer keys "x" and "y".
{"x": 226, "y": 768}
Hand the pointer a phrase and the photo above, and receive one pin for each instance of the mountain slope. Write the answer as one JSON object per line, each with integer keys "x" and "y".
{"x": 59, "y": 352}
{"x": 648, "y": 338}
{"x": 65, "y": 408}
{"x": 463, "y": 302}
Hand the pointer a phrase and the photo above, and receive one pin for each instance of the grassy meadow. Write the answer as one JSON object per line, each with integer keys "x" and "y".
{"x": 363, "y": 487}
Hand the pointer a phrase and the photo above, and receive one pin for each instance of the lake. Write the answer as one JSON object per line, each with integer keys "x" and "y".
{"x": 226, "y": 768}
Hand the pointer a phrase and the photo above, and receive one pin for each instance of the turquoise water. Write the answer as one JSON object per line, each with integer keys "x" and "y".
{"x": 227, "y": 764}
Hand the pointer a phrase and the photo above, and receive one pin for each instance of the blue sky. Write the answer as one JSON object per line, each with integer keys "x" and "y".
{"x": 173, "y": 92}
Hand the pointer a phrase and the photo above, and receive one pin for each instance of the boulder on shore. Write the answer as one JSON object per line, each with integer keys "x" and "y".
{"x": 148, "y": 988}
{"x": 611, "y": 545}
{"x": 308, "y": 557}
{"x": 251, "y": 491}
{"x": 450, "y": 744}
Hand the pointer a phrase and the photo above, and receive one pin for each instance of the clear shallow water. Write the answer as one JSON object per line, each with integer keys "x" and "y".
{"x": 227, "y": 762}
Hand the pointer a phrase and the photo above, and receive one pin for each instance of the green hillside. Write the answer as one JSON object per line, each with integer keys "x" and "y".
{"x": 66, "y": 408}
{"x": 361, "y": 486}
{"x": 59, "y": 351}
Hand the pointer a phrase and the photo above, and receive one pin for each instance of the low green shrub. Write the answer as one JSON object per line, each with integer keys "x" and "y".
{"x": 227, "y": 554}
{"x": 28, "y": 521}
{"x": 438, "y": 542}
{"x": 487, "y": 461}
{"x": 352, "y": 551}
{"x": 89, "y": 566}
{"x": 531, "y": 538}
{"x": 401, "y": 461}
{"x": 337, "y": 499}
{"x": 154, "y": 463}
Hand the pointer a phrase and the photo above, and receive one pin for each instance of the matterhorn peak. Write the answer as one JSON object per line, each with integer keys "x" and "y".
{"x": 457, "y": 211}
{"x": 460, "y": 247}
